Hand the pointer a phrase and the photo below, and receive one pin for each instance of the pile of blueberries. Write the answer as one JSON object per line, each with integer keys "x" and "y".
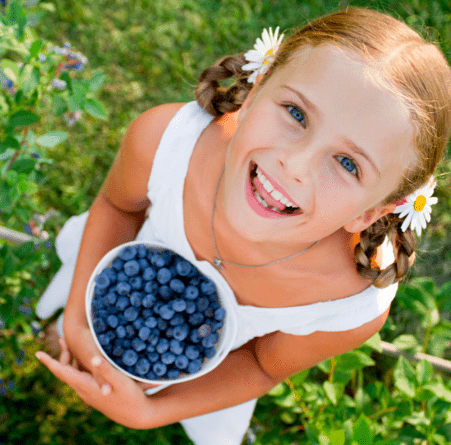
{"x": 155, "y": 315}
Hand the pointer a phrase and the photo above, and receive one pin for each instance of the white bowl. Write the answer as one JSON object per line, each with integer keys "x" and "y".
{"x": 227, "y": 333}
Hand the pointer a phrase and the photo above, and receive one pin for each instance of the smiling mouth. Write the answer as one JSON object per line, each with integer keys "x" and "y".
{"x": 282, "y": 208}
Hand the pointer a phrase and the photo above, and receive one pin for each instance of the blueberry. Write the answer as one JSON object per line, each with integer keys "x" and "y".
{"x": 131, "y": 313}
{"x": 169, "y": 333}
{"x": 181, "y": 361}
{"x": 192, "y": 352}
{"x": 144, "y": 333}
{"x": 196, "y": 319}
{"x": 194, "y": 366}
{"x": 110, "y": 273}
{"x": 153, "y": 339}
{"x": 181, "y": 332}
{"x": 149, "y": 300}
{"x": 190, "y": 307}
{"x": 153, "y": 356}
{"x": 143, "y": 263}
{"x": 183, "y": 268}
{"x": 220, "y": 314}
{"x": 151, "y": 287}
{"x": 142, "y": 367}
{"x": 207, "y": 287}
{"x": 97, "y": 302}
{"x": 149, "y": 274}
{"x": 166, "y": 312}
{"x": 176, "y": 347}
{"x": 202, "y": 304}
{"x": 128, "y": 253}
{"x": 146, "y": 313}
{"x": 151, "y": 322}
{"x": 141, "y": 250}
{"x": 194, "y": 336}
{"x": 159, "y": 369}
{"x": 151, "y": 376}
{"x": 120, "y": 332}
{"x": 210, "y": 352}
{"x": 100, "y": 290}
{"x": 173, "y": 374}
{"x": 131, "y": 268}
{"x": 130, "y": 330}
{"x": 122, "y": 277}
{"x": 162, "y": 345}
{"x": 110, "y": 298}
{"x": 210, "y": 340}
{"x": 138, "y": 345}
{"x": 136, "y": 298}
{"x": 164, "y": 275}
{"x": 130, "y": 357}
{"x": 138, "y": 323}
{"x": 102, "y": 280}
{"x": 103, "y": 339}
{"x": 176, "y": 320}
{"x": 165, "y": 292}
{"x": 118, "y": 264}
{"x": 126, "y": 343}
{"x": 209, "y": 312}
{"x": 112, "y": 321}
{"x": 204, "y": 331}
{"x": 157, "y": 260}
{"x": 191, "y": 292}
{"x": 122, "y": 303}
{"x": 168, "y": 358}
{"x": 117, "y": 351}
{"x": 136, "y": 283}
{"x": 177, "y": 285}
{"x": 99, "y": 325}
{"x": 123, "y": 288}
{"x": 179, "y": 305}
{"x": 217, "y": 325}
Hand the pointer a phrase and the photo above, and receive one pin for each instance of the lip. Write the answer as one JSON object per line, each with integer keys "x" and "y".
{"x": 277, "y": 186}
{"x": 255, "y": 205}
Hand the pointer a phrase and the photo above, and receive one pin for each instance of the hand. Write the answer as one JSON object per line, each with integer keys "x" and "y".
{"x": 120, "y": 398}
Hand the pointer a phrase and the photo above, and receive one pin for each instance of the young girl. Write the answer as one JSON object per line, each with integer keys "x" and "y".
{"x": 288, "y": 189}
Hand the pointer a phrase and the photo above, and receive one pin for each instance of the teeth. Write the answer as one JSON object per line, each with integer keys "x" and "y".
{"x": 270, "y": 189}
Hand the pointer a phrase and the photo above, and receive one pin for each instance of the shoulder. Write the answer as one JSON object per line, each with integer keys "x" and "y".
{"x": 126, "y": 184}
{"x": 281, "y": 355}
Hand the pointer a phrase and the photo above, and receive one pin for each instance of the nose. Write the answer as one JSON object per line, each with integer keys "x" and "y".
{"x": 297, "y": 164}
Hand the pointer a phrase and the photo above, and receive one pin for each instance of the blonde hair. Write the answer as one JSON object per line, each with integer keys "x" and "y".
{"x": 415, "y": 70}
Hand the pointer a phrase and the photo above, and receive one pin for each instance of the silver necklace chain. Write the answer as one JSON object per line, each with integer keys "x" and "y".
{"x": 218, "y": 262}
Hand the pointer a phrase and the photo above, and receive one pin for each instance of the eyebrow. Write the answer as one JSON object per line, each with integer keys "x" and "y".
{"x": 355, "y": 148}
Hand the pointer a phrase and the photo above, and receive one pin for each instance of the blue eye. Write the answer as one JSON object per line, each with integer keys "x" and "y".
{"x": 297, "y": 114}
{"x": 348, "y": 164}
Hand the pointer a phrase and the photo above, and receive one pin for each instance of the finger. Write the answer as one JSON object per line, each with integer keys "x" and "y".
{"x": 65, "y": 354}
{"x": 109, "y": 375}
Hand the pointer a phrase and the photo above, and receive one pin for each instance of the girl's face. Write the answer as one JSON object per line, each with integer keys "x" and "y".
{"x": 323, "y": 135}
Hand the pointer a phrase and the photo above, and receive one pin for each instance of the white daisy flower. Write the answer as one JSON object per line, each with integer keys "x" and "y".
{"x": 263, "y": 53}
{"x": 417, "y": 208}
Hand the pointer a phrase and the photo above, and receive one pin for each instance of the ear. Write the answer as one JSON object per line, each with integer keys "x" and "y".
{"x": 249, "y": 98}
{"x": 367, "y": 218}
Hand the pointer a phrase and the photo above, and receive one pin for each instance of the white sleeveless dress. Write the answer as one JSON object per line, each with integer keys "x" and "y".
{"x": 165, "y": 224}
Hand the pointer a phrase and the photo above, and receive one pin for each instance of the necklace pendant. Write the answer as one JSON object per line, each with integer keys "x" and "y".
{"x": 218, "y": 262}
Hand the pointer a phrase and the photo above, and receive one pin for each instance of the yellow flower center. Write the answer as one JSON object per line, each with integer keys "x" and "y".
{"x": 419, "y": 203}
{"x": 269, "y": 52}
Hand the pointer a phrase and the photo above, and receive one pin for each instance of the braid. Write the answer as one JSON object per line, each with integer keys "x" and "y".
{"x": 218, "y": 100}
{"x": 371, "y": 238}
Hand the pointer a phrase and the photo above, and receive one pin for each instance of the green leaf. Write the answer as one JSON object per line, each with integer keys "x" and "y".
{"x": 23, "y": 165}
{"x": 74, "y": 105}
{"x": 300, "y": 377}
{"x": 337, "y": 437}
{"x": 9, "y": 142}
{"x": 444, "y": 297}
{"x": 424, "y": 372}
{"x": 35, "y": 48}
{"x": 405, "y": 342}
{"x": 439, "y": 390}
{"x": 10, "y": 69}
{"x": 23, "y": 250}
{"x": 362, "y": 432}
{"x": 52, "y": 138}
{"x": 353, "y": 360}
{"x": 278, "y": 390}
{"x": 96, "y": 81}
{"x": 30, "y": 79}
{"x": 22, "y": 118}
{"x": 95, "y": 109}
{"x": 404, "y": 376}
{"x": 375, "y": 342}
{"x": 334, "y": 391}
{"x": 16, "y": 16}
{"x": 59, "y": 105}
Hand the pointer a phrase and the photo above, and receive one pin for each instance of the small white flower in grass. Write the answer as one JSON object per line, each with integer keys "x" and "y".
{"x": 263, "y": 55}
{"x": 417, "y": 208}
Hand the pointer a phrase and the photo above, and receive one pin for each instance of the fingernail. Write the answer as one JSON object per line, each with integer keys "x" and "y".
{"x": 96, "y": 361}
{"x": 38, "y": 355}
{"x": 106, "y": 389}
